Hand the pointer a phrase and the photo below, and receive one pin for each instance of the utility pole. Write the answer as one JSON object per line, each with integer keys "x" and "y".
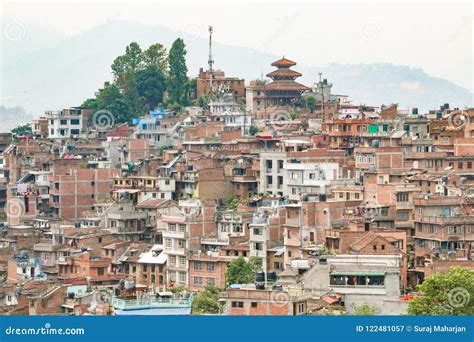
{"x": 322, "y": 92}
{"x": 210, "y": 61}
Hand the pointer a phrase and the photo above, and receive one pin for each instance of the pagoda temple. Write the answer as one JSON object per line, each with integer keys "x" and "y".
{"x": 282, "y": 91}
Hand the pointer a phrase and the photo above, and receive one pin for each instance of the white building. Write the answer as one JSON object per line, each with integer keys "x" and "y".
{"x": 228, "y": 111}
{"x": 66, "y": 123}
{"x": 283, "y": 176}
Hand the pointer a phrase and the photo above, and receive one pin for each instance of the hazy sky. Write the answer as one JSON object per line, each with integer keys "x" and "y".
{"x": 436, "y": 36}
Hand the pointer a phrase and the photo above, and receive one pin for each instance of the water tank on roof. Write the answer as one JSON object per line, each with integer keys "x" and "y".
{"x": 271, "y": 276}
{"x": 414, "y": 111}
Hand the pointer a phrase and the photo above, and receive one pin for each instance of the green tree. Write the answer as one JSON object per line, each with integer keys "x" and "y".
{"x": 178, "y": 84}
{"x": 178, "y": 289}
{"x": 150, "y": 85}
{"x": 239, "y": 271}
{"x": 450, "y": 293}
{"x": 22, "y": 129}
{"x": 207, "y": 301}
{"x": 156, "y": 56}
{"x": 202, "y": 101}
{"x": 364, "y": 310}
{"x": 253, "y": 130}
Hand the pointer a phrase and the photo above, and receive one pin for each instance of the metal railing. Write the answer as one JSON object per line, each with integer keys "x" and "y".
{"x": 153, "y": 303}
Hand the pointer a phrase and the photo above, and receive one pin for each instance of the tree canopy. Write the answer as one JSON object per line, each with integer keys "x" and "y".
{"x": 241, "y": 271}
{"x": 207, "y": 301}
{"x": 140, "y": 80}
{"x": 178, "y": 83}
{"x": 450, "y": 293}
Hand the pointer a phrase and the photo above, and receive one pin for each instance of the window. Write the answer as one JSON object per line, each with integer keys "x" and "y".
{"x": 280, "y": 164}
{"x": 402, "y": 197}
{"x": 197, "y": 280}
{"x": 182, "y": 261}
{"x": 469, "y": 164}
{"x": 100, "y": 271}
{"x": 258, "y": 246}
{"x": 211, "y": 281}
{"x": 460, "y": 165}
{"x": 210, "y": 266}
{"x": 63, "y": 122}
{"x": 238, "y": 305}
{"x": 254, "y": 304}
{"x": 197, "y": 265}
{"x": 269, "y": 180}
{"x": 182, "y": 228}
{"x": 402, "y": 215}
{"x": 169, "y": 243}
{"x": 269, "y": 165}
{"x": 74, "y": 121}
{"x": 172, "y": 260}
{"x": 182, "y": 277}
{"x": 257, "y": 231}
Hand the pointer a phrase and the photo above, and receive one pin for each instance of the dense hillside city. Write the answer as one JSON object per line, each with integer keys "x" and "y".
{"x": 214, "y": 195}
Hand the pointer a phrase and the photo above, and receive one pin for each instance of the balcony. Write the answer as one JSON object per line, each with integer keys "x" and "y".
{"x": 154, "y": 303}
{"x": 444, "y": 220}
{"x": 214, "y": 241}
{"x": 175, "y": 251}
{"x": 405, "y": 205}
{"x": 175, "y": 234}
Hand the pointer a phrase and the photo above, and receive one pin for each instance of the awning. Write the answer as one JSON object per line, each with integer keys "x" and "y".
{"x": 330, "y": 299}
{"x": 380, "y": 274}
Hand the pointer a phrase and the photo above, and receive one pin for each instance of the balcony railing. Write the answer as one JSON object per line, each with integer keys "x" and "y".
{"x": 154, "y": 303}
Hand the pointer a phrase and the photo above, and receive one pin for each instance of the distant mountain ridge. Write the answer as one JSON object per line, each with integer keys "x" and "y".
{"x": 68, "y": 70}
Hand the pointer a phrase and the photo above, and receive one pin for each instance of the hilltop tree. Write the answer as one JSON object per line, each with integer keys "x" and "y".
{"x": 156, "y": 57}
{"x": 449, "y": 293}
{"x": 150, "y": 85}
{"x": 178, "y": 84}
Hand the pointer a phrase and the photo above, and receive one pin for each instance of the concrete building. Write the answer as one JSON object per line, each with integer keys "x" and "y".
{"x": 374, "y": 279}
